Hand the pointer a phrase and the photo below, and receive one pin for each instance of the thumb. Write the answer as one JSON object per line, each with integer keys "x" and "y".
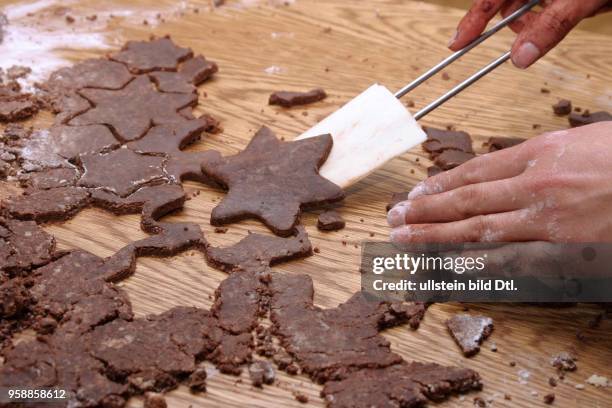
{"x": 549, "y": 27}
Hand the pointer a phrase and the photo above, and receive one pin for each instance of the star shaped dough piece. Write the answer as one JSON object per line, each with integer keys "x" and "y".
{"x": 273, "y": 180}
{"x": 133, "y": 110}
{"x": 159, "y": 54}
{"x": 121, "y": 171}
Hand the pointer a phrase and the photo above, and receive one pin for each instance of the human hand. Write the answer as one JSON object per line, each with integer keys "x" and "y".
{"x": 538, "y": 32}
{"x": 556, "y": 187}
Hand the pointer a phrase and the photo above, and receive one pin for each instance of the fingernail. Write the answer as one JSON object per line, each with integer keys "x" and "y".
{"x": 417, "y": 191}
{"x": 453, "y": 39}
{"x": 526, "y": 55}
{"x": 401, "y": 234}
{"x": 397, "y": 215}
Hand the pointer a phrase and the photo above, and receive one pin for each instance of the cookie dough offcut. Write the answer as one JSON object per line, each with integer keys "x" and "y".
{"x": 469, "y": 331}
{"x": 330, "y": 221}
{"x": 288, "y": 99}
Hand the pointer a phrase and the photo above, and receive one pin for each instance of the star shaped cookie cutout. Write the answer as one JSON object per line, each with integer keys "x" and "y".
{"x": 273, "y": 181}
{"x": 121, "y": 171}
{"x": 160, "y": 54}
{"x": 133, "y": 110}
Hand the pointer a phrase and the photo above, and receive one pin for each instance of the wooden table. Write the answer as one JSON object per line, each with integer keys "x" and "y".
{"x": 344, "y": 46}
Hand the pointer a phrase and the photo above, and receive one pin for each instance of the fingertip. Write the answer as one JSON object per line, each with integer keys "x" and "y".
{"x": 525, "y": 55}
{"x": 453, "y": 40}
{"x": 397, "y": 215}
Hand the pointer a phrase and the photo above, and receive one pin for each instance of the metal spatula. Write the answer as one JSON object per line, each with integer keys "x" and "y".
{"x": 375, "y": 127}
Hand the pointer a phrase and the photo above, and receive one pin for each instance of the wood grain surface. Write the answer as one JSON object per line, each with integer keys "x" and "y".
{"x": 344, "y": 46}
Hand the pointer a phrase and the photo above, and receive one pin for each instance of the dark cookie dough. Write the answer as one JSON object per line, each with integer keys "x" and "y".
{"x": 121, "y": 171}
{"x": 14, "y": 299}
{"x": 499, "y": 143}
{"x": 304, "y": 330}
{"x": 170, "y": 239}
{"x": 586, "y": 118}
{"x": 238, "y": 302}
{"x": 55, "y": 204}
{"x": 449, "y": 159}
{"x": 563, "y": 107}
{"x": 24, "y": 245}
{"x": 197, "y": 380}
{"x": 261, "y": 372}
{"x": 404, "y": 385}
{"x": 132, "y": 110}
{"x": 132, "y": 349}
{"x": 152, "y": 201}
{"x": 288, "y": 99}
{"x": 49, "y": 178}
{"x": 330, "y": 221}
{"x": 469, "y": 331}
{"x": 233, "y": 352}
{"x": 56, "y": 146}
{"x": 15, "y": 108}
{"x": 190, "y": 74}
{"x": 273, "y": 180}
{"x": 159, "y": 54}
{"x": 83, "y": 303}
{"x": 439, "y": 140}
{"x": 169, "y": 140}
{"x": 92, "y": 73}
{"x": 257, "y": 252}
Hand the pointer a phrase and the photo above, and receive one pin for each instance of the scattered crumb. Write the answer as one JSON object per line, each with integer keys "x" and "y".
{"x": 493, "y": 347}
{"x": 534, "y": 393}
{"x": 564, "y": 362}
{"x": 512, "y": 363}
{"x": 300, "y": 397}
{"x": 579, "y": 386}
{"x": 523, "y": 376}
{"x": 563, "y": 107}
{"x": 316, "y": 250}
{"x": 598, "y": 381}
{"x": 445, "y": 76}
{"x": 507, "y": 397}
{"x": 372, "y": 234}
{"x": 545, "y": 90}
{"x": 410, "y": 103}
{"x": 549, "y": 398}
{"x": 69, "y": 19}
{"x": 552, "y": 381}
{"x": 479, "y": 402}
{"x": 221, "y": 230}
{"x": 536, "y": 126}
{"x": 153, "y": 400}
